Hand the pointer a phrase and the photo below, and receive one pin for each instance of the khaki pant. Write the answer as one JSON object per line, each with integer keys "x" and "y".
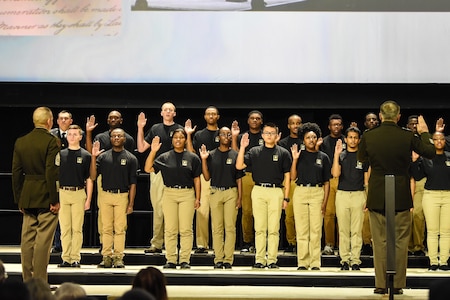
{"x": 267, "y": 207}
{"x": 99, "y": 212}
{"x": 37, "y": 237}
{"x": 402, "y": 235}
{"x": 329, "y": 222}
{"x": 248, "y": 230}
{"x": 289, "y": 221}
{"x": 156, "y": 194}
{"x": 223, "y": 218}
{"x": 436, "y": 206}
{"x": 350, "y": 216}
{"x": 202, "y": 215}
{"x": 308, "y": 219}
{"x": 71, "y": 219}
{"x": 178, "y": 208}
{"x": 114, "y": 219}
{"x": 418, "y": 219}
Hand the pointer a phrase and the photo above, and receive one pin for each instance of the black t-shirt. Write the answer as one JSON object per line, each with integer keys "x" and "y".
{"x": 105, "y": 141}
{"x": 288, "y": 141}
{"x": 74, "y": 167}
{"x": 436, "y": 170}
{"x": 268, "y": 164}
{"x": 165, "y": 133}
{"x": 329, "y": 144}
{"x": 178, "y": 168}
{"x": 352, "y": 172}
{"x": 210, "y": 138}
{"x": 255, "y": 139}
{"x": 313, "y": 168}
{"x": 118, "y": 169}
{"x": 222, "y": 168}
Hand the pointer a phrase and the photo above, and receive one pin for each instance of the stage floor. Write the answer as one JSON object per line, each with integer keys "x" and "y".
{"x": 202, "y": 281}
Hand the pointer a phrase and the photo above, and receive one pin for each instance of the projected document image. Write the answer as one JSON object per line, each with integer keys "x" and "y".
{"x": 292, "y": 5}
{"x": 210, "y": 5}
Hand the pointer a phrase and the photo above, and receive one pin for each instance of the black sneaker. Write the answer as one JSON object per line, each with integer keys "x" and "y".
{"x": 65, "y": 264}
{"x": 302, "y": 268}
{"x": 227, "y": 265}
{"x": 433, "y": 268}
{"x": 153, "y": 249}
{"x": 201, "y": 251}
{"x": 55, "y": 250}
{"x": 273, "y": 266}
{"x": 246, "y": 247}
{"x": 185, "y": 265}
{"x": 218, "y": 265}
{"x": 258, "y": 266}
{"x": 444, "y": 268}
{"x": 170, "y": 265}
{"x": 290, "y": 249}
{"x": 355, "y": 267}
{"x": 315, "y": 269}
{"x": 419, "y": 253}
{"x": 76, "y": 264}
{"x": 380, "y": 291}
{"x": 398, "y": 291}
{"x": 345, "y": 266}
{"x": 367, "y": 249}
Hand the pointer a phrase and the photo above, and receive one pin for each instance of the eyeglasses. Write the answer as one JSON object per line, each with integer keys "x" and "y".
{"x": 225, "y": 134}
{"x": 269, "y": 133}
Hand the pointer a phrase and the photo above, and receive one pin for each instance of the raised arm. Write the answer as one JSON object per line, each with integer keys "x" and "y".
{"x": 156, "y": 145}
{"x": 336, "y": 167}
{"x": 240, "y": 165}
{"x": 142, "y": 144}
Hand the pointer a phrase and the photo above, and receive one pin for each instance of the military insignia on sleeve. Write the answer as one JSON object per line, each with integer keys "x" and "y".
{"x": 57, "y": 160}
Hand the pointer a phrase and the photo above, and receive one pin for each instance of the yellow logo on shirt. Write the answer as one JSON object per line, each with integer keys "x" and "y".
{"x": 123, "y": 162}
{"x": 79, "y": 160}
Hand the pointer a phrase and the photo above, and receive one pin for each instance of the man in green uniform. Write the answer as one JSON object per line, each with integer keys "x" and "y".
{"x": 34, "y": 182}
{"x": 388, "y": 150}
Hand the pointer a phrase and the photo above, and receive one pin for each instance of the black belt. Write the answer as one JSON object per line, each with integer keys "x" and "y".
{"x": 180, "y": 187}
{"x": 116, "y": 191}
{"x": 311, "y": 185}
{"x": 221, "y": 188}
{"x": 271, "y": 185}
{"x": 72, "y": 188}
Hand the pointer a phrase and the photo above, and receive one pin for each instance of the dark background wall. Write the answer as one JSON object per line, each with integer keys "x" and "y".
{"x": 314, "y": 102}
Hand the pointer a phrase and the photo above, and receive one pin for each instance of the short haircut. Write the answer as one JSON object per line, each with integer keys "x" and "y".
{"x": 41, "y": 115}
{"x": 390, "y": 110}
{"x": 271, "y": 125}
{"x": 353, "y": 129}
{"x": 255, "y": 112}
{"x": 334, "y": 117}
